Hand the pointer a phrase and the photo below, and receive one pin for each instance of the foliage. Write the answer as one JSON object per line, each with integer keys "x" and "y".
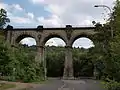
{"x": 4, "y": 86}
{"x": 55, "y": 61}
{"x": 107, "y": 47}
{"x": 19, "y": 65}
{"x": 110, "y": 48}
{"x": 27, "y": 69}
{"x": 112, "y": 85}
{"x": 113, "y": 64}
{"x": 3, "y": 18}
{"x": 82, "y": 63}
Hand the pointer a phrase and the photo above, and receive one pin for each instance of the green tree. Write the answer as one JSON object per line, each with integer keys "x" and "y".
{"x": 115, "y": 43}
{"x": 55, "y": 58}
{"x": 112, "y": 61}
{"x": 3, "y": 18}
{"x": 19, "y": 65}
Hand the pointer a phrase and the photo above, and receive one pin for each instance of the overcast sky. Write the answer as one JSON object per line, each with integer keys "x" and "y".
{"x": 55, "y": 13}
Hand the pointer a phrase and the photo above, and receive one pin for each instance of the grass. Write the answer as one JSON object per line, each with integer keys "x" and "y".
{"x": 4, "y": 86}
{"x": 38, "y": 82}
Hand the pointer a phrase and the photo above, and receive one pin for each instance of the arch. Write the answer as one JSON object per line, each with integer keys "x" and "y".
{"x": 53, "y": 36}
{"x": 19, "y": 38}
{"x": 22, "y": 36}
{"x": 28, "y": 41}
{"x": 49, "y": 51}
{"x": 80, "y": 36}
{"x": 83, "y": 42}
{"x": 55, "y": 42}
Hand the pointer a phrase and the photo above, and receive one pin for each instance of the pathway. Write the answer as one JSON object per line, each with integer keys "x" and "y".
{"x": 82, "y": 84}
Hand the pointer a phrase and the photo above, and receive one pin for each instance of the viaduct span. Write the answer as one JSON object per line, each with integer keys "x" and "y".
{"x": 68, "y": 34}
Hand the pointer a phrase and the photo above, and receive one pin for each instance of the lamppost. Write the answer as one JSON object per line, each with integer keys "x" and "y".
{"x": 109, "y": 14}
{"x": 104, "y": 6}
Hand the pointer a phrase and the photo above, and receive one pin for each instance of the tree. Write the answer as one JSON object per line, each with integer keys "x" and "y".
{"x": 3, "y": 18}
{"x": 115, "y": 43}
{"x": 19, "y": 65}
{"x": 115, "y": 17}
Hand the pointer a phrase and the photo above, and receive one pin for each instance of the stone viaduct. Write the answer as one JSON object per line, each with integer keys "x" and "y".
{"x": 68, "y": 34}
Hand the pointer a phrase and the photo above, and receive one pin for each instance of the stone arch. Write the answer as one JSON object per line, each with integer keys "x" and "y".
{"x": 89, "y": 36}
{"x": 18, "y": 38}
{"x": 45, "y": 39}
{"x": 86, "y": 35}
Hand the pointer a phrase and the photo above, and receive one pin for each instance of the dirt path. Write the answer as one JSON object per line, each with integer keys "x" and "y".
{"x": 20, "y": 86}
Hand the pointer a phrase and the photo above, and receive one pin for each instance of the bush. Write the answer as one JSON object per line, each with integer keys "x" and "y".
{"x": 112, "y": 85}
{"x": 19, "y": 65}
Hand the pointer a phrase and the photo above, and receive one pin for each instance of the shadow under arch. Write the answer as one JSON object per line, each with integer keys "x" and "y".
{"x": 83, "y": 67}
{"x": 83, "y": 63}
{"x": 54, "y": 65}
{"x": 53, "y": 36}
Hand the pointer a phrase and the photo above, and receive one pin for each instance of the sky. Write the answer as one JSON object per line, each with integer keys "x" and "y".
{"x": 55, "y": 13}
{"x": 82, "y": 42}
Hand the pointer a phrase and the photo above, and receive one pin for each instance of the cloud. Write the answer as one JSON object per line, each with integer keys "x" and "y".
{"x": 20, "y": 20}
{"x": 51, "y": 42}
{"x": 36, "y": 1}
{"x": 62, "y": 12}
{"x": 30, "y": 15}
{"x": 75, "y": 12}
{"x": 83, "y": 42}
{"x": 52, "y": 21}
{"x": 59, "y": 41}
{"x": 3, "y": 5}
{"x": 17, "y": 14}
{"x": 29, "y": 41}
{"x": 11, "y": 7}
{"x": 17, "y": 7}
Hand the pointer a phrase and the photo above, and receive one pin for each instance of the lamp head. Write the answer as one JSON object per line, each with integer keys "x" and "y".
{"x": 96, "y": 6}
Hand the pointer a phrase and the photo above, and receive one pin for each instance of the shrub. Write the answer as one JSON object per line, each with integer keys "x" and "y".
{"x": 112, "y": 85}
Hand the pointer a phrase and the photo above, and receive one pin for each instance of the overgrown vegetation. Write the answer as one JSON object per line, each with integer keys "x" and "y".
{"x": 55, "y": 61}
{"x": 82, "y": 60}
{"x": 19, "y": 65}
{"x": 4, "y": 86}
{"x": 103, "y": 59}
{"x": 111, "y": 52}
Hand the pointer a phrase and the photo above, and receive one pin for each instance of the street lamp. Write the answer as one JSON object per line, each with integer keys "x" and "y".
{"x": 109, "y": 14}
{"x": 104, "y": 6}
